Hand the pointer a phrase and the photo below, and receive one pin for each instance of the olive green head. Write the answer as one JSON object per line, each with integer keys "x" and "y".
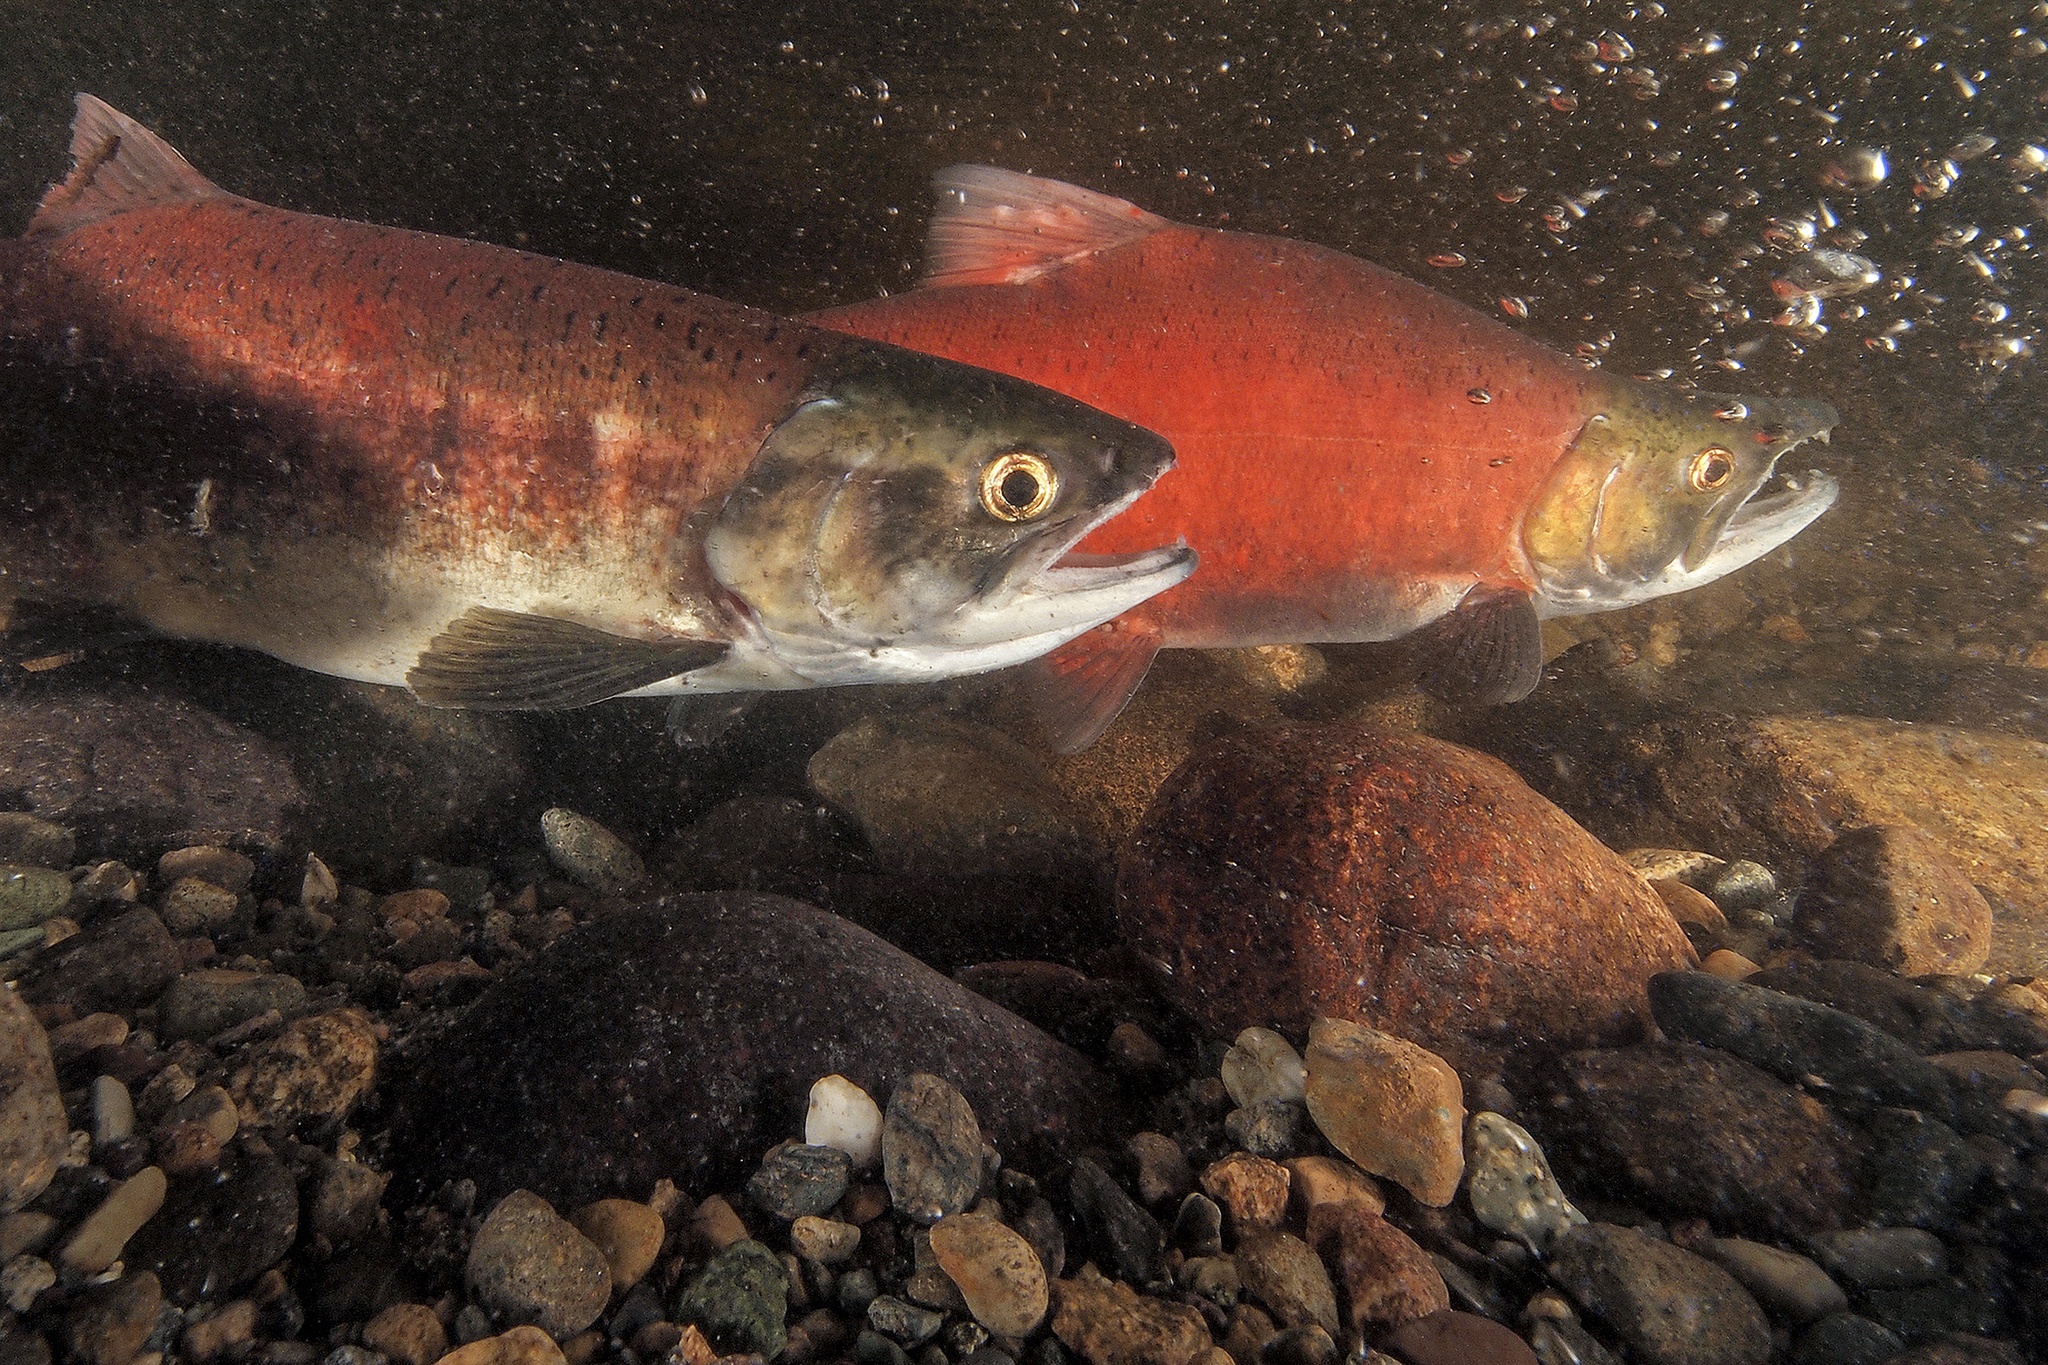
{"x": 1659, "y": 494}
{"x": 904, "y": 521}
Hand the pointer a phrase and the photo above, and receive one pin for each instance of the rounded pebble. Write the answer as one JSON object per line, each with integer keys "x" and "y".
{"x": 931, "y": 1149}
{"x": 1262, "y": 1065}
{"x": 841, "y": 1114}
{"x": 1394, "y": 1108}
{"x": 627, "y": 1233}
{"x": 98, "y": 1241}
{"x": 530, "y": 1264}
{"x": 1510, "y": 1185}
{"x": 589, "y": 854}
{"x": 997, "y": 1272}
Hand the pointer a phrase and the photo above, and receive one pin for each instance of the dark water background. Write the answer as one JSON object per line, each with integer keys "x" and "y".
{"x": 1631, "y": 174}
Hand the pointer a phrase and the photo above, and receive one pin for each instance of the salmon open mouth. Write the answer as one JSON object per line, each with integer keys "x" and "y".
{"x": 1049, "y": 590}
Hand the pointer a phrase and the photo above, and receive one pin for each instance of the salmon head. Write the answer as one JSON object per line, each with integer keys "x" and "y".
{"x": 908, "y": 518}
{"x": 1662, "y": 491}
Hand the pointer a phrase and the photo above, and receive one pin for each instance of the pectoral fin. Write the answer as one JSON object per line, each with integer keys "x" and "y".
{"x": 1489, "y": 650}
{"x": 491, "y": 660}
{"x": 1079, "y": 688}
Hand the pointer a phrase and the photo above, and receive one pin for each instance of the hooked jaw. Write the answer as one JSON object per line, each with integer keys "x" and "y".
{"x": 1663, "y": 492}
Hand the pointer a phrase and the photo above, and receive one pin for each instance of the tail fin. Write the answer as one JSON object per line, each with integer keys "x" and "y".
{"x": 116, "y": 165}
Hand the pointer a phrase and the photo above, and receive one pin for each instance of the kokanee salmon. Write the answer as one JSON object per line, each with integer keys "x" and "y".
{"x": 1360, "y": 457}
{"x": 510, "y": 481}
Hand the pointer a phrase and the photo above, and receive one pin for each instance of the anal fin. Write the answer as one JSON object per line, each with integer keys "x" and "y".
{"x": 1489, "y": 650}
{"x": 491, "y": 660}
{"x": 1079, "y": 688}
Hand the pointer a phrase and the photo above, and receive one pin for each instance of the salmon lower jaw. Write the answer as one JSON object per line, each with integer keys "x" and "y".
{"x": 998, "y": 630}
{"x": 1761, "y": 526}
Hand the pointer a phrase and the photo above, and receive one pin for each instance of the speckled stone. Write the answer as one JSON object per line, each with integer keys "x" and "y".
{"x": 33, "y": 1132}
{"x": 645, "y": 1009}
{"x": 998, "y": 1273}
{"x": 1453, "y": 1338}
{"x": 589, "y": 854}
{"x": 1845, "y": 1338}
{"x": 1790, "y": 1287}
{"x": 116, "y": 964}
{"x": 1510, "y": 1185}
{"x": 1670, "y": 1306}
{"x": 1692, "y": 1130}
{"x": 30, "y": 895}
{"x": 407, "y": 1333}
{"x": 221, "y": 1230}
{"x": 627, "y": 1233}
{"x": 1251, "y": 1190}
{"x": 1284, "y": 1273}
{"x": 1394, "y": 879}
{"x": 35, "y": 842}
{"x": 314, "y": 1068}
{"x": 1388, "y": 1280}
{"x": 530, "y": 1265}
{"x": 1883, "y": 1258}
{"x": 109, "y": 1322}
{"x": 1107, "y": 1323}
{"x": 525, "y": 1345}
{"x": 739, "y": 1298}
{"x": 202, "y": 1003}
{"x": 931, "y": 1149}
{"x": 1393, "y": 1107}
{"x": 936, "y": 796}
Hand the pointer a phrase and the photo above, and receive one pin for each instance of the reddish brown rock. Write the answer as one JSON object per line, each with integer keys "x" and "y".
{"x": 1250, "y": 1189}
{"x": 1386, "y": 1279}
{"x": 1393, "y": 879}
{"x": 1452, "y": 1338}
{"x": 1686, "y": 1129}
{"x": 1891, "y": 896}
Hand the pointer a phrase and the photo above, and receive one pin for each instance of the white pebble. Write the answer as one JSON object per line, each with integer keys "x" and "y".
{"x": 1261, "y": 1065}
{"x": 845, "y": 1116}
{"x": 113, "y": 1111}
{"x": 318, "y": 887}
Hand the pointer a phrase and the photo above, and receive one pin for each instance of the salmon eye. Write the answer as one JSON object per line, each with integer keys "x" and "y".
{"x": 1018, "y": 486}
{"x": 1711, "y": 468}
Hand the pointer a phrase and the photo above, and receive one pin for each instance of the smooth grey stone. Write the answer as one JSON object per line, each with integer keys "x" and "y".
{"x": 1117, "y": 1223}
{"x": 1883, "y": 1258}
{"x": 1793, "y": 1039}
{"x": 1670, "y": 1306}
{"x": 1790, "y": 1287}
{"x": 1845, "y": 1339}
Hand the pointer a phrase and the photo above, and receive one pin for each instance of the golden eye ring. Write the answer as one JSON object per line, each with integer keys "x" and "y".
{"x": 1711, "y": 469}
{"x": 1018, "y": 486}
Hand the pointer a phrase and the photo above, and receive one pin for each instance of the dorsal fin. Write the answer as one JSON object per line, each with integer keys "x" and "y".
{"x": 116, "y": 165}
{"x": 999, "y": 227}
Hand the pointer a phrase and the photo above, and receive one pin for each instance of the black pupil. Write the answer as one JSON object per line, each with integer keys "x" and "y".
{"x": 1020, "y": 487}
{"x": 1715, "y": 471}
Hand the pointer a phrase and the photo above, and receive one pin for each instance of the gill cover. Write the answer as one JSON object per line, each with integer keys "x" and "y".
{"x": 1655, "y": 480}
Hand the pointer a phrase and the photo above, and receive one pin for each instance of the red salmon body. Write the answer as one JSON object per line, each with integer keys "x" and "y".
{"x": 1359, "y": 456}
{"x": 510, "y": 481}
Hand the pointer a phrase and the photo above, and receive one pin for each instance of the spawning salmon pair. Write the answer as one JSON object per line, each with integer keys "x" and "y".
{"x": 508, "y": 481}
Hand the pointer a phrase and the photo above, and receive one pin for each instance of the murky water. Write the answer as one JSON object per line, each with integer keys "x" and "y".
{"x": 1840, "y": 200}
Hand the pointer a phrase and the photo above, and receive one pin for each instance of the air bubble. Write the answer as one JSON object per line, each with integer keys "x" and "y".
{"x": 1788, "y": 234}
{"x": 1511, "y": 194}
{"x": 1826, "y": 274}
{"x": 1972, "y": 147}
{"x": 1733, "y": 412}
{"x": 1479, "y": 396}
{"x": 1447, "y": 260}
{"x": 1612, "y": 47}
{"x": 1712, "y": 223}
{"x": 1855, "y": 169}
{"x": 699, "y": 96}
{"x": 1514, "y": 307}
{"x": 1957, "y": 235}
{"x": 1934, "y": 177}
{"x": 1721, "y": 80}
{"x": 1990, "y": 311}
